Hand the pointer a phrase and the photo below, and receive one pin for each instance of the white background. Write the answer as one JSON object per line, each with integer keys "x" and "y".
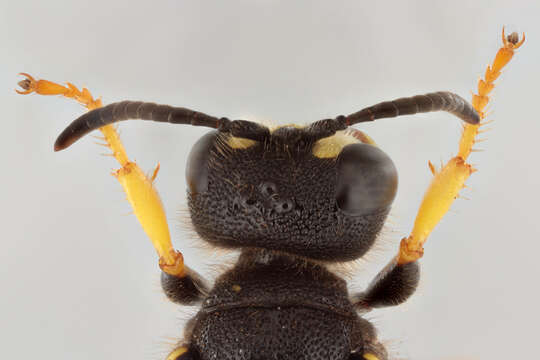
{"x": 78, "y": 277}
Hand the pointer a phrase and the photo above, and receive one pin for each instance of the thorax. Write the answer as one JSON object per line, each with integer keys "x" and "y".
{"x": 267, "y": 279}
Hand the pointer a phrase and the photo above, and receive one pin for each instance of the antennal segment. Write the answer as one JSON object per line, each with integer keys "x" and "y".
{"x": 126, "y": 110}
{"x": 437, "y": 101}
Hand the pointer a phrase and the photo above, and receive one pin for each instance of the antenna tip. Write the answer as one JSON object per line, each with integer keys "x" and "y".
{"x": 63, "y": 141}
{"x": 58, "y": 147}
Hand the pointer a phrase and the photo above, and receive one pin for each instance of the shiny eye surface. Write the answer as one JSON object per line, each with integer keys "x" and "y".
{"x": 367, "y": 180}
{"x": 197, "y": 163}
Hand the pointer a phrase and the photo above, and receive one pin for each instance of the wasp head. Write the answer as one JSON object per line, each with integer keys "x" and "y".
{"x": 325, "y": 199}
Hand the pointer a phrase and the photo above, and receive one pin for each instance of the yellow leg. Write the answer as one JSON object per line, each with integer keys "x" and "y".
{"x": 139, "y": 189}
{"x": 447, "y": 182}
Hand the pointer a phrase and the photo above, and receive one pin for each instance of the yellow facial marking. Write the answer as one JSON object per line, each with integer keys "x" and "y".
{"x": 176, "y": 353}
{"x": 273, "y": 128}
{"x": 367, "y": 356}
{"x": 240, "y": 143}
{"x": 362, "y": 136}
{"x": 331, "y": 146}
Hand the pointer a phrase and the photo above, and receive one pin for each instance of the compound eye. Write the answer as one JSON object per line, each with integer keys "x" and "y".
{"x": 197, "y": 163}
{"x": 367, "y": 180}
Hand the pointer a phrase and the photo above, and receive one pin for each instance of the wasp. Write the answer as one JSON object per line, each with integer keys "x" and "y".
{"x": 292, "y": 200}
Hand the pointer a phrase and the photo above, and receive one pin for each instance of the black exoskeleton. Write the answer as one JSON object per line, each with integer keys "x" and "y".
{"x": 292, "y": 199}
